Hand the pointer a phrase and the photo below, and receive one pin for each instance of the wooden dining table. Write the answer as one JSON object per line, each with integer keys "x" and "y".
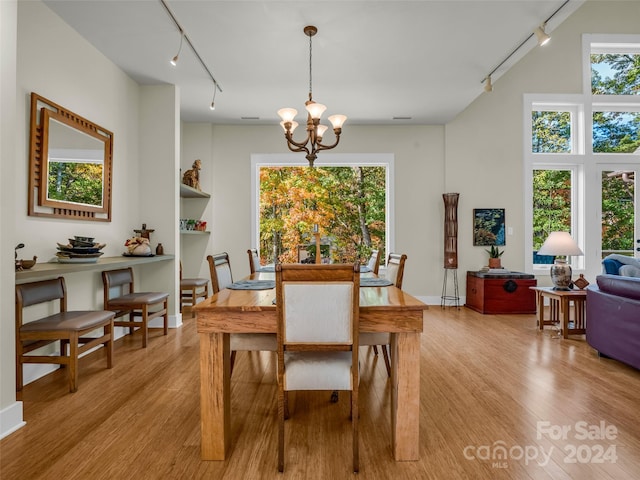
{"x": 382, "y": 309}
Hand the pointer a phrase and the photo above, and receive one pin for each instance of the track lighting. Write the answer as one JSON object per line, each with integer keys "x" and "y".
{"x": 174, "y": 60}
{"x": 542, "y": 36}
{"x": 185, "y": 37}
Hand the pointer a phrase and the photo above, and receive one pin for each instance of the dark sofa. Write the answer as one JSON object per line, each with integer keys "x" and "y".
{"x": 613, "y": 318}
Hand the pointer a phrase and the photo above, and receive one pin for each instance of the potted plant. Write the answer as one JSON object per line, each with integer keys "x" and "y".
{"x": 494, "y": 257}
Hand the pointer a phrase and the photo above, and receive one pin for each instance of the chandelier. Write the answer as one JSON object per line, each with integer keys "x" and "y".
{"x": 313, "y": 143}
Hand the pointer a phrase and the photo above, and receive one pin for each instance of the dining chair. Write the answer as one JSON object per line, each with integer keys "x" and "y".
{"x": 191, "y": 289}
{"x": 221, "y": 277}
{"x": 318, "y": 313}
{"x": 126, "y": 301}
{"x": 254, "y": 260}
{"x": 68, "y": 327}
{"x": 394, "y": 273}
{"x": 374, "y": 261}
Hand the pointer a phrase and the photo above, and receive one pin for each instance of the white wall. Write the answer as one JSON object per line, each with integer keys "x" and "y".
{"x": 85, "y": 82}
{"x": 157, "y": 188}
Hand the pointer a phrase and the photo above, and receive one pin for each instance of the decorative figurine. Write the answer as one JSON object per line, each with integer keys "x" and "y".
{"x": 581, "y": 282}
{"x": 23, "y": 264}
{"x": 144, "y": 232}
{"x": 192, "y": 177}
{"x": 138, "y": 246}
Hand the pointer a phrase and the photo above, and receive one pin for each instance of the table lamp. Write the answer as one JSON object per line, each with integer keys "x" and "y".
{"x": 560, "y": 244}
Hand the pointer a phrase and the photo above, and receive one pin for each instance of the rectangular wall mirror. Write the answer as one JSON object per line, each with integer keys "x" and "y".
{"x": 70, "y": 164}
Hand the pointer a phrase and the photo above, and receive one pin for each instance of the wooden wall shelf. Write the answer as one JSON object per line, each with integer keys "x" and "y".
{"x": 41, "y": 271}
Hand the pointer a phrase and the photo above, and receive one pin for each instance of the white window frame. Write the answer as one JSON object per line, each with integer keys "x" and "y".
{"x": 555, "y": 161}
{"x": 586, "y": 223}
{"x": 386, "y": 160}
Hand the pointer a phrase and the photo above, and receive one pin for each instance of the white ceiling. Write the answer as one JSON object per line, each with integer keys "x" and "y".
{"x": 372, "y": 60}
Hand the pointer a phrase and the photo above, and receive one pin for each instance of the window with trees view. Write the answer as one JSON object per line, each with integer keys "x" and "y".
{"x": 348, "y": 204}
{"x": 583, "y": 156}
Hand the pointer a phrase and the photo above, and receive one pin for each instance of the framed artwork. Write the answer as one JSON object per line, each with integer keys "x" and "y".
{"x": 488, "y": 226}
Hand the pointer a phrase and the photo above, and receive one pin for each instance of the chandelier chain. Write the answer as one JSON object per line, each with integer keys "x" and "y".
{"x": 310, "y": 77}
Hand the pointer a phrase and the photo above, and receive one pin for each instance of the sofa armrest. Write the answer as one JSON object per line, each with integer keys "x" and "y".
{"x": 628, "y": 287}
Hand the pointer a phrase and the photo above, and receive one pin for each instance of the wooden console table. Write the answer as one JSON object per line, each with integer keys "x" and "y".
{"x": 501, "y": 293}
{"x": 560, "y": 309}
{"x": 42, "y": 271}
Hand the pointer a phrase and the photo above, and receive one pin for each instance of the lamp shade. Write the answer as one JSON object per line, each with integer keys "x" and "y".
{"x": 560, "y": 243}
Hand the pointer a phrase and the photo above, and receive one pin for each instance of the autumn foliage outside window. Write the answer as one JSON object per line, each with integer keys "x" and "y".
{"x": 347, "y": 204}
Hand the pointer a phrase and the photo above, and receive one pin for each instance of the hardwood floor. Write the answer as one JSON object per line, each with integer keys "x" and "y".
{"x": 486, "y": 382}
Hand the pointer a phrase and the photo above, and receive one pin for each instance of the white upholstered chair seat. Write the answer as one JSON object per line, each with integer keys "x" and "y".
{"x": 317, "y": 371}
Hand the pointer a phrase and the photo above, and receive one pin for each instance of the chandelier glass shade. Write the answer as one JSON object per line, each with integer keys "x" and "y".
{"x": 315, "y": 131}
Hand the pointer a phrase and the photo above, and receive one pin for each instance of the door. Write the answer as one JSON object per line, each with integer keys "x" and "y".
{"x": 620, "y": 225}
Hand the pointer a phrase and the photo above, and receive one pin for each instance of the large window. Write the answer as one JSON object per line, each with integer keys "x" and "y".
{"x": 343, "y": 203}
{"x": 581, "y": 155}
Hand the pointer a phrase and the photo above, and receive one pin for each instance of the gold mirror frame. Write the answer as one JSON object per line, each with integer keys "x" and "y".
{"x": 42, "y": 111}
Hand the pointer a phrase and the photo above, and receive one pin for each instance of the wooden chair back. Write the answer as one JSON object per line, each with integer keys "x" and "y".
{"x": 374, "y": 261}
{"x": 220, "y": 271}
{"x": 395, "y": 268}
{"x": 39, "y": 292}
{"x": 121, "y": 278}
{"x": 254, "y": 260}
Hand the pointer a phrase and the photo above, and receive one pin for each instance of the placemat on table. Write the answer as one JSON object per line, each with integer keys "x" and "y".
{"x": 253, "y": 285}
{"x": 375, "y": 282}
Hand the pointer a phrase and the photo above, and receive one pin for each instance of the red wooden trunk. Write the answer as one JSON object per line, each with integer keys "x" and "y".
{"x": 503, "y": 293}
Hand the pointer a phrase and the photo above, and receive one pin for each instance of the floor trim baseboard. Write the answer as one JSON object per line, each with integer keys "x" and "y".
{"x": 11, "y": 419}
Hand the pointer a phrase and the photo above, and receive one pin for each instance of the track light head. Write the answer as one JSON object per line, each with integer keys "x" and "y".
{"x": 174, "y": 60}
{"x": 542, "y": 36}
{"x": 488, "y": 86}
{"x": 213, "y": 100}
